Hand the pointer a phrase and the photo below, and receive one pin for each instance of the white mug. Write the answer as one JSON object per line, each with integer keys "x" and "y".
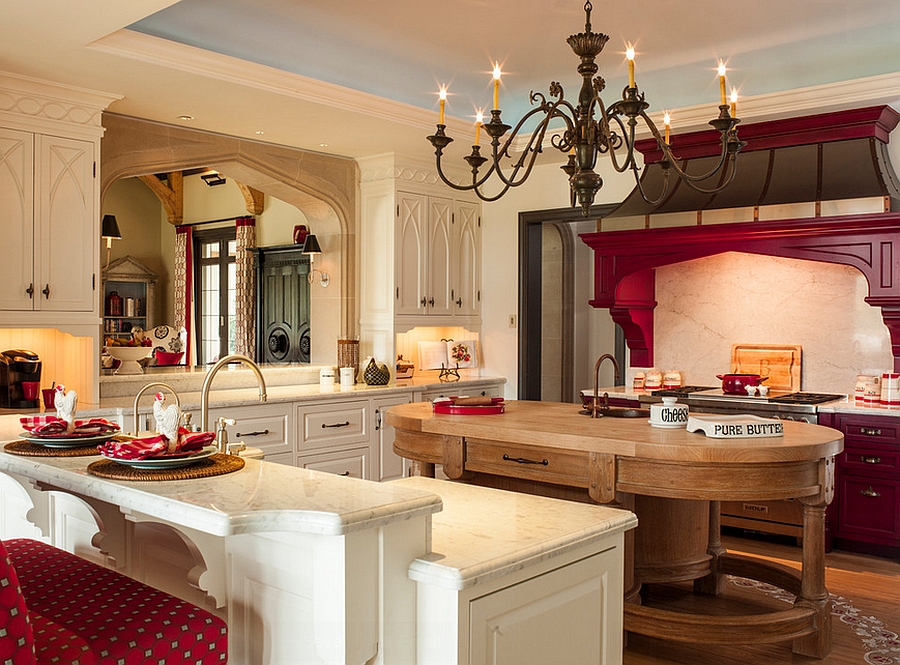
{"x": 347, "y": 376}
{"x": 326, "y": 377}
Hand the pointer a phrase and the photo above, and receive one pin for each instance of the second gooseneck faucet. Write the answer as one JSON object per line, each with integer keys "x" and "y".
{"x": 596, "y": 407}
{"x": 207, "y": 383}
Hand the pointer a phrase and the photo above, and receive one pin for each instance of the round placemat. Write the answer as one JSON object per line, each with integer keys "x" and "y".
{"x": 216, "y": 465}
{"x": 28, "y": 449}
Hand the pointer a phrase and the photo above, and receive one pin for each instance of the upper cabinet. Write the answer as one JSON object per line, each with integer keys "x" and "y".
{"x": 49, "y": 202}
{"x": 438, "y": 257}
{"x": 46, "y": 189}
{"x": 420, "y": 252}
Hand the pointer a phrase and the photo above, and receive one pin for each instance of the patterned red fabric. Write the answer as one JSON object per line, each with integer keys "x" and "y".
{"x": 156, "y": 446}
{"x": 16, "y": 634}
{"x": 53, "y": 426}
{"x": 123, "y": 620}
{"x": 55, "y": 644}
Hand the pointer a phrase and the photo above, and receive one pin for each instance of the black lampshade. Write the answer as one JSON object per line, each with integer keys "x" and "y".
{"x": 111, "y": 227}
{"x": 311, "y": 246}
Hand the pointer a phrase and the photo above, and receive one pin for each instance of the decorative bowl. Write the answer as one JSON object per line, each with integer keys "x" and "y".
{"x": 129, "y": 356}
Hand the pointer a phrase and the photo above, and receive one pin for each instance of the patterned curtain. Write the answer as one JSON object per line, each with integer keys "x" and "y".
{"x": 245, "y": 307}
{"x": 184, "y": 286}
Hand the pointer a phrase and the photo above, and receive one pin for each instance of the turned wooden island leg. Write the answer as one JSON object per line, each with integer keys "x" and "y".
{"x": 813, "y": 593}
{"x": 714, "y": 583}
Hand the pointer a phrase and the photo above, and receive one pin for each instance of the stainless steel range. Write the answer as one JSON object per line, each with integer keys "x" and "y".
{"x": 801, "y": 406}
{"x": 774, "y": 517}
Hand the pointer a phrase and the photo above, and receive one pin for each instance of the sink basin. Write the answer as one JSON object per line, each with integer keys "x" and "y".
{"x": 614, "y": 412}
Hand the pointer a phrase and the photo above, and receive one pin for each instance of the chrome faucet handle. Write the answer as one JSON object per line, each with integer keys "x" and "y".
{"x": 187, "y": 417}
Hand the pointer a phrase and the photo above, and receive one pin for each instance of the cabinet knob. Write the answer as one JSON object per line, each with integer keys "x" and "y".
{"x": 869, "y": 460}
{"x": 431, "y": 301}
{"x": 870, "y": 492}
{"x": 30, "y": 290}
{"x": 423, "y": 302}
{"x": 870, "y": 431}
{"x": 459, "y": 302}
{"x": 46, "y": 292}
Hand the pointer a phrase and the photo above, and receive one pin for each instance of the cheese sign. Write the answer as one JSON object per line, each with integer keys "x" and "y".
{"x": 735, "y": 427}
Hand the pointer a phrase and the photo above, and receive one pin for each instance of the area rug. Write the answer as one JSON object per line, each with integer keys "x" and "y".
{"x": 880, "y": 644}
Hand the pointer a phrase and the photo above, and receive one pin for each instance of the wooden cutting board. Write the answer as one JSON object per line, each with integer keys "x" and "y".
{"x": 781, "y": 363}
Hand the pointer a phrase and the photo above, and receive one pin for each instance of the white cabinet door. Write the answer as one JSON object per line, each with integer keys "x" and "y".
{"x": 65, "y": 239}
{"x": 17, "y": 204}
{"x": 411, "y": 252}
{"x": 440, "y": 251}
{"x": 390, "y": 466}
{"x": 466, "y": 259}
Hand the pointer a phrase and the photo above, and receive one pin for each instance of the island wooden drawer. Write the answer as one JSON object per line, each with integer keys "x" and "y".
{"x": 547, "y": 465}
{"x": 879, "y": 460}
{"x": 331, "y": 425}
{"x": 785, "y": 512}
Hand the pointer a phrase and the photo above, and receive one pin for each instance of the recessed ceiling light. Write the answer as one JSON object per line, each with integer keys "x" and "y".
{"x": 323, "y": 145}
{"x": 259, "y": 132}
{"x": 186, "y": 118}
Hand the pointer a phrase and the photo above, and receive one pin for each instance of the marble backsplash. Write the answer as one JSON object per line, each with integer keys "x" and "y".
{"x": 705, "y": 306}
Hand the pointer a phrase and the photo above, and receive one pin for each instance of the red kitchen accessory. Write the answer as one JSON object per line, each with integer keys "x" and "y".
{"x": 470, "y": 406}
{"x": 736, "y": 384}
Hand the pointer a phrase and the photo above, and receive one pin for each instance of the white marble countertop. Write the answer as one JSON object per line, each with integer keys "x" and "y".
{"x": 261, "y": 497}
{"x": 484, "y": 533}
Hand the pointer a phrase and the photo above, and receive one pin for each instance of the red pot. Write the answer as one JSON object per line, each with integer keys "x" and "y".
{"x": 736, "y": 384}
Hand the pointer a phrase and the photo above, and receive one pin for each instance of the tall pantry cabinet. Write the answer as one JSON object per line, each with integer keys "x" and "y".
{"x": 420, "y": 250}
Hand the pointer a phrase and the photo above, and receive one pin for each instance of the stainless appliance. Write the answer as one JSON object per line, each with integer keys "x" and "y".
{"x": 800, "y": 406}
{"x": 20, "y": 379}
{"x": 773, "y": 517}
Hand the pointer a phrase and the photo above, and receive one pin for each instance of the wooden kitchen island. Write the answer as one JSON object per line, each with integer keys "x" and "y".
{"x": 673, "y": 480}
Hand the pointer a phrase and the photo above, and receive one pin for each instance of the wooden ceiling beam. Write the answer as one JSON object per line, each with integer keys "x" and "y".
{"x": 170, "y": 194}
{"x": 254, "y": 199}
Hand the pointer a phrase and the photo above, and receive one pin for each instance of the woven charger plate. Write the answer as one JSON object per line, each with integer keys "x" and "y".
{"x": 28, "y": 449}
{"x": 216, "y": 465}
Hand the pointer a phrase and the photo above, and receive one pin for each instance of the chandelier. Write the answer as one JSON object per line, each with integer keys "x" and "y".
{"x": 591, "y": 129}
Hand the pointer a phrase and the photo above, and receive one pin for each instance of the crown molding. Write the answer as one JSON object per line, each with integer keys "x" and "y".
{"x": 51, "y": 105}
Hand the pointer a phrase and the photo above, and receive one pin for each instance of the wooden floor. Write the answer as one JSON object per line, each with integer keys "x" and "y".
{"x": 865, "y": 591}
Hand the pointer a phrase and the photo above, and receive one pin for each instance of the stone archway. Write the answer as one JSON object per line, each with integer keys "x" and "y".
{"x": 323, "y": 187}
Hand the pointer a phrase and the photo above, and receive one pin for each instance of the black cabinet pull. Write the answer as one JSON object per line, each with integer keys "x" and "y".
{"x": 870, "y": 492}
{"x": 870, "y": 431}
{"x": 30, "y": 291}
{"x": 459, "y": 302}
{"x": 265, "y": 431}
{"x": 46, "y": 292}
{"x": 346, "y": 423}
{"x": 431, "y": 302}
{"x": 869, "y": 460}
{"x": 424, "y": 301}
{"x": 346, "y": 473}
{"x": 522, "y": 460}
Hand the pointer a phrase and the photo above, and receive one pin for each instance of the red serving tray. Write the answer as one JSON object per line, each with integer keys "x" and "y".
{"x": 447, "y": 406}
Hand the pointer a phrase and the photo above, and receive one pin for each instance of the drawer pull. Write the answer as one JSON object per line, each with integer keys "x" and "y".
{"x": 346, "y": 474}
{"x": 869, "y": 460}
{"x": 870, "y": 492}
{"x": 870, "y": 431}
{"x": 346, "y": 423}
{"x": 522, "y": 460}
{"x": 262, "y": 433}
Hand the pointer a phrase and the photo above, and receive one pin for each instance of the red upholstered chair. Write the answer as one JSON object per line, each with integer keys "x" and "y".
{"x": 118, "y": 619}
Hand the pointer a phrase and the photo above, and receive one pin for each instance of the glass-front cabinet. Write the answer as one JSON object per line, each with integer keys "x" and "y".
{"x": 128, "y": 297}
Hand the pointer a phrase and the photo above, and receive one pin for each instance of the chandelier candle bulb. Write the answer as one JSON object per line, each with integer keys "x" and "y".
{"x": 496, "y": 85}
{"x": 442, "y": 95}
{"x": 734, "y": 98}
{"x": 479, "y": 119}
{"x": 722, "y": 82}
{"x": 667, "y": 122}
{"x": 629, "y": 53}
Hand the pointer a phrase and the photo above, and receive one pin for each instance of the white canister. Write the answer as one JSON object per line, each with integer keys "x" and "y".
{"x": 653, "y": 380}
{"x": 671, "y": 379}
{"x": 669, "y": 413}
{"x": 890, "y": 389}
{"x": 638, "y": 382}
{"x": 326, "y": 377}
{"x": 872, "y": 394}
{"x": 348, "y": 376}
{"x": 861, "y": 381}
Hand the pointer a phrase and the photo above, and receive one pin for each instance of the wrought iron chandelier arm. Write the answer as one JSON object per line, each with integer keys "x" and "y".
{"x": 529, "y": 154}
{"x": 616, "y": 141}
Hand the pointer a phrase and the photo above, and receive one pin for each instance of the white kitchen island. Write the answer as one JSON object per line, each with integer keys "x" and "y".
{"x": 312, "y": 568}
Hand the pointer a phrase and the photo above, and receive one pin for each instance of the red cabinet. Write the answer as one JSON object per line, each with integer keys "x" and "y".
{"x": 865, "y": 514}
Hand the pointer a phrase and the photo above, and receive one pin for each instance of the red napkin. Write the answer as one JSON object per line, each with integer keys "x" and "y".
{"x": 51, "y": 426}
{"x": 157, "y": 446}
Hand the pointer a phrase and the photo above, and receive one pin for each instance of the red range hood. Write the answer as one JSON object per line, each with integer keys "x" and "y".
{"x": 785, "y": 162}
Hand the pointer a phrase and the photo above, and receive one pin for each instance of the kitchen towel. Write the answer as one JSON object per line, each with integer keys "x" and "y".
{"x": 51, "y": 426}
{"x": 157, "y": 446}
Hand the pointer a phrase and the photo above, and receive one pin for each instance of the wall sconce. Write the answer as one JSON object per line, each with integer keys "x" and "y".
{"x": 110, "y": 231}
{"x": 212, "y": 179}
{"x": 311, "y": 248}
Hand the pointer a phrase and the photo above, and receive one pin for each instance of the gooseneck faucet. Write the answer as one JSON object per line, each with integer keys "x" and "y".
{"x": 595, "y": 407}
{"x": 207, "y": 382}
{"x": 155, "y": 384}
